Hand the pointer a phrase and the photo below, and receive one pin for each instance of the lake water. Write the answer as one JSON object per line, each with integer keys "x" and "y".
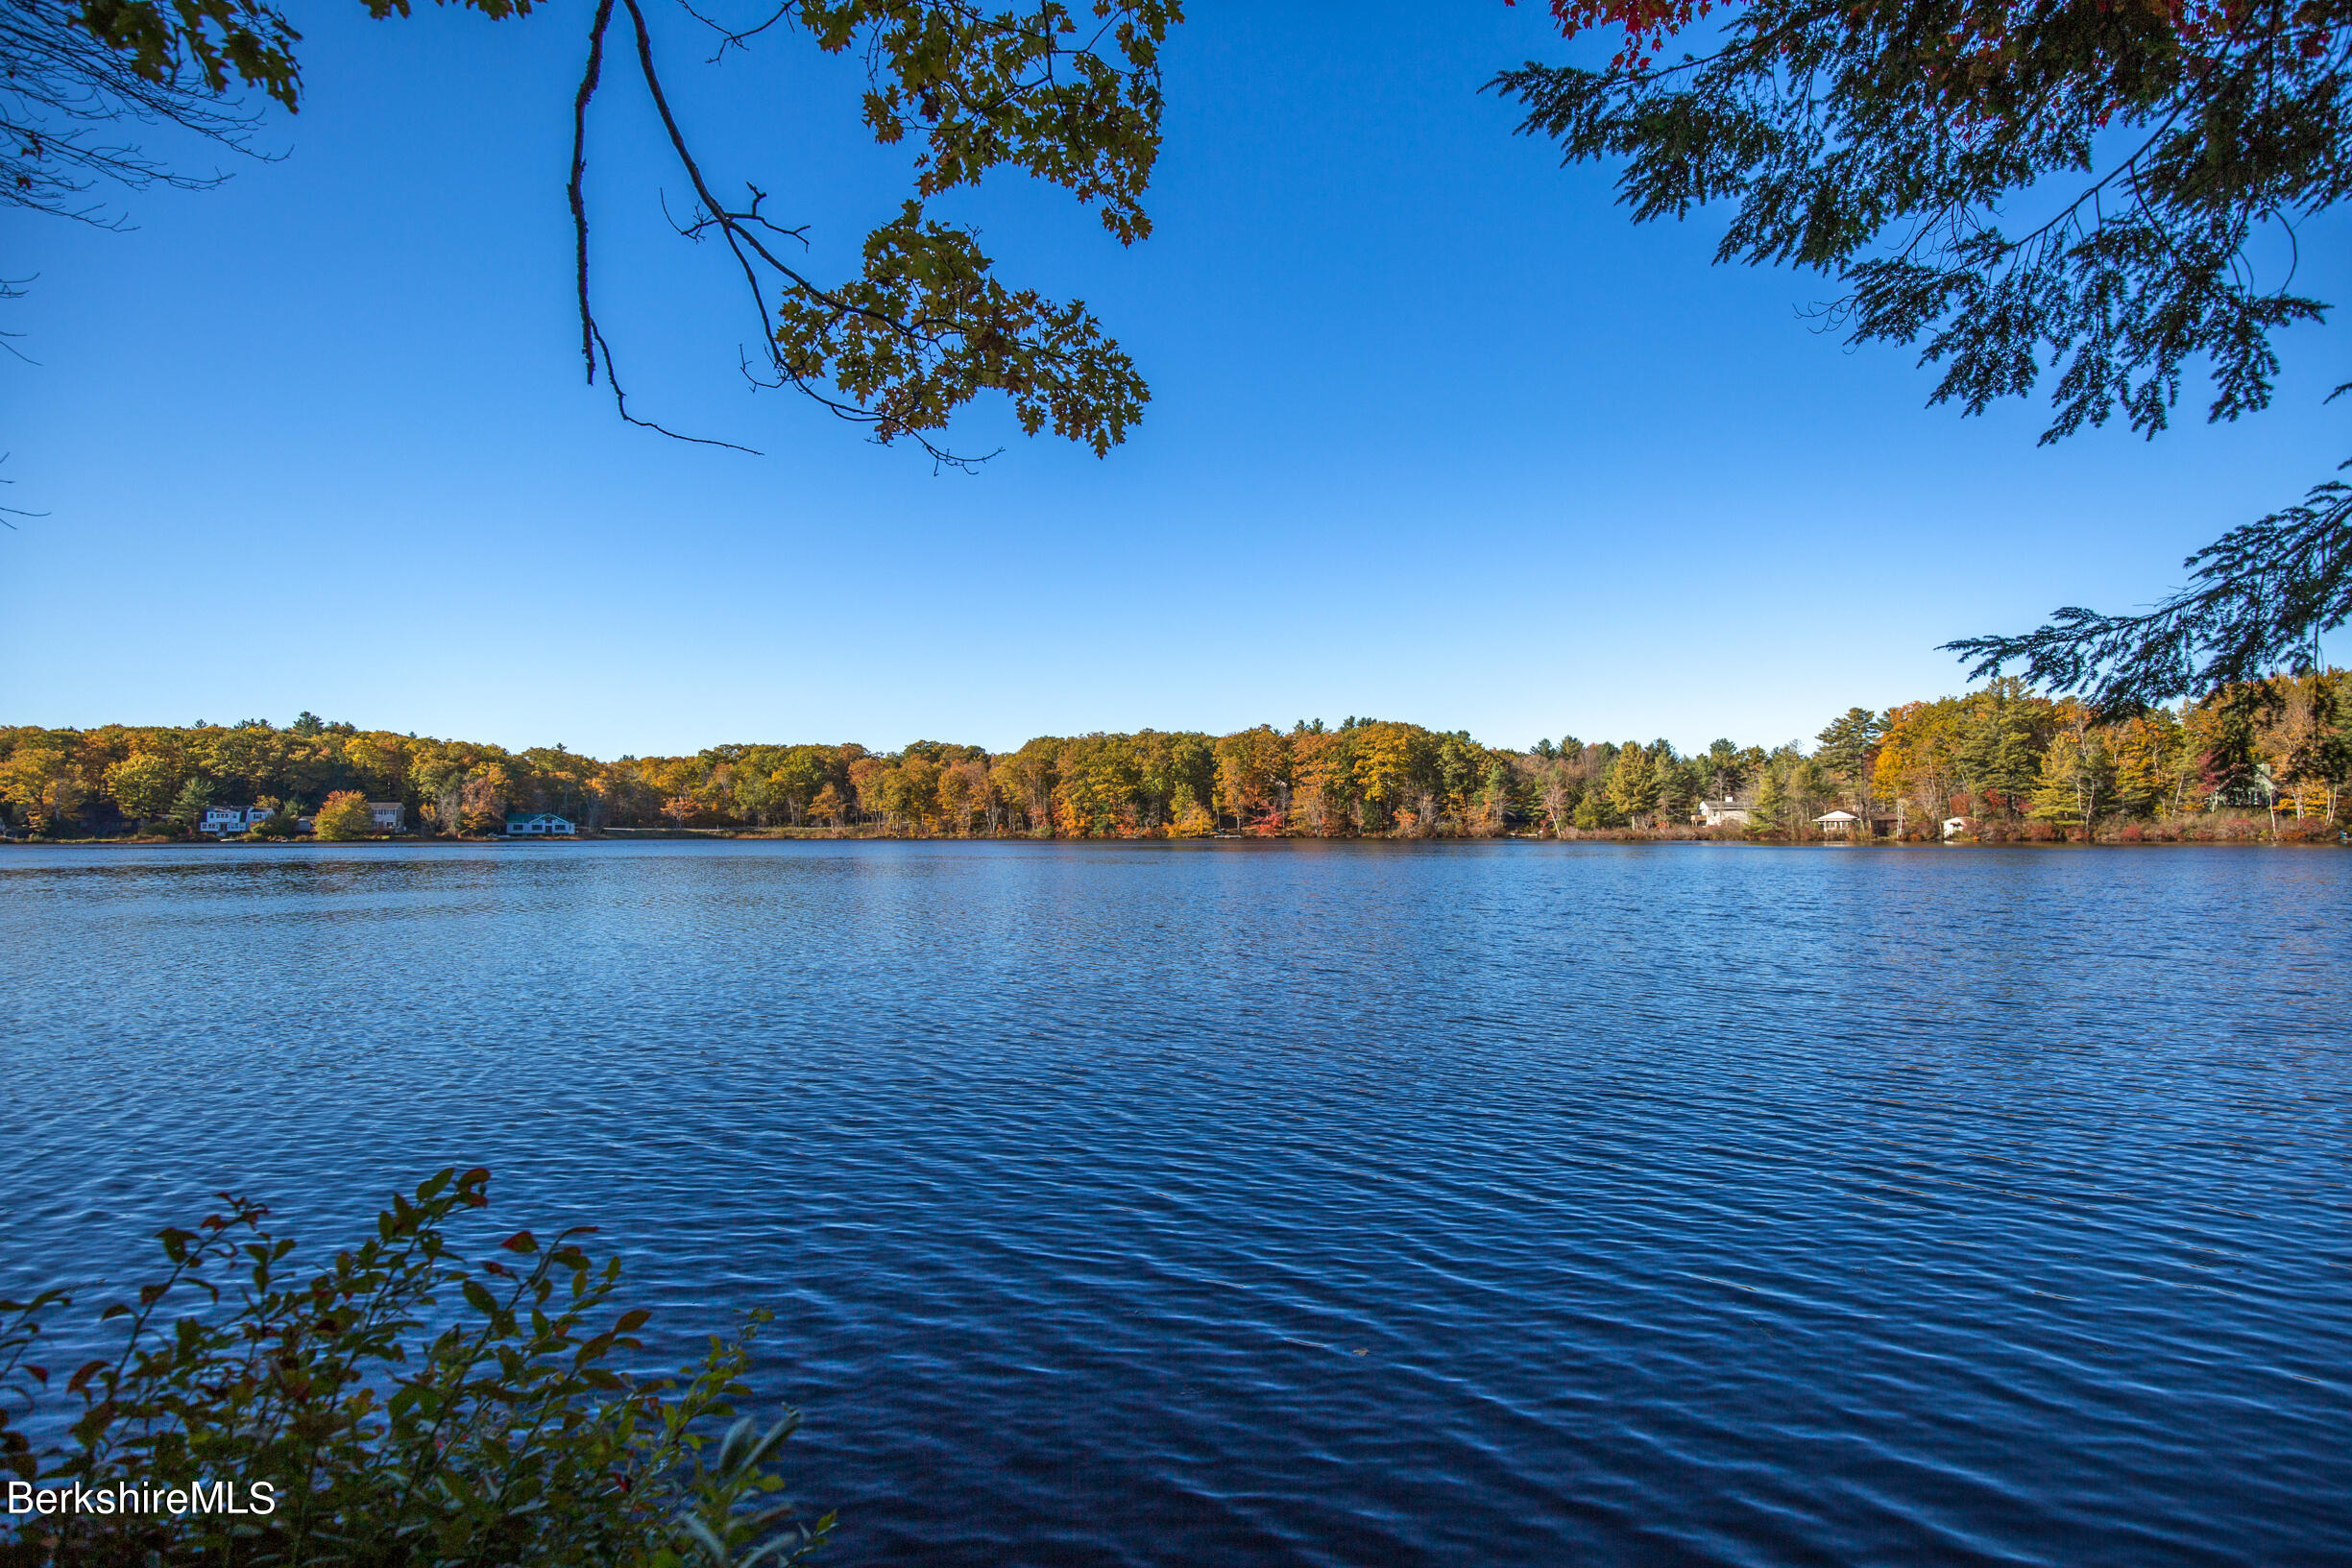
{"x": 1296, "y": 1204}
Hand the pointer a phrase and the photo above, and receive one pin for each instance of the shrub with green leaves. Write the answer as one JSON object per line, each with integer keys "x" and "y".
{"x": 402, "y": 1407}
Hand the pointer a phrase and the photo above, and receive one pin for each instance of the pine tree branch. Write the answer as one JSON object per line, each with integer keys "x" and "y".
{"x": 2259, "y": 599}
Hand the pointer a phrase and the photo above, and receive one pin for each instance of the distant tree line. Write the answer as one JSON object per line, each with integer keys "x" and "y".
{"x": 2011, "y": 762}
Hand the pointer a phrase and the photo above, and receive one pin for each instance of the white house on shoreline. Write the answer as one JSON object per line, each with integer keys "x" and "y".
{"x": 233, "y": 821}
{"x": 537, "y": 825}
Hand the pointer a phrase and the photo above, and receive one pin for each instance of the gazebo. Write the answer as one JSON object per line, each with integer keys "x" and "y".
{"x": 1836, "y": 823}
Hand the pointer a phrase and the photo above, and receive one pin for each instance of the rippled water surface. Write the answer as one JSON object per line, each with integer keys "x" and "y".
{"x": 1366, "y": 1204}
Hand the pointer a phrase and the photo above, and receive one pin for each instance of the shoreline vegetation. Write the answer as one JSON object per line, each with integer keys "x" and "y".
{"x": 419, "y": 1396}
{"x": 2266, "y": 762}
{"x": 2227, "y": 826}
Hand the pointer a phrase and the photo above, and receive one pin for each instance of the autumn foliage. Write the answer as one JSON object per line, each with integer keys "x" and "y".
{"x": 2002, "y": 756}
{"x": 344, "y": 815}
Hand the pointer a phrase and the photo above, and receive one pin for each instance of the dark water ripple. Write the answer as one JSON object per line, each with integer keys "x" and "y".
{"x": 1306, "y": 1205}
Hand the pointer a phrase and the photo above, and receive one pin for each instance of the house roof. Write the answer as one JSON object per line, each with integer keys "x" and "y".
{"x": 1837, "y": 817}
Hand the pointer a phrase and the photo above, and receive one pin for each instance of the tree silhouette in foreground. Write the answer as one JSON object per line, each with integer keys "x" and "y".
{"x": 2158, "y": 156}
{"x": 1066, "y": 95}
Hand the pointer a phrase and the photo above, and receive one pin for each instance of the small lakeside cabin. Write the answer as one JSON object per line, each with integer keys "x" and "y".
{"x": 1954, "y": 827}
{"x": 1836, "y": 823}
{"x": 387, "y": 816}
{"x": 537, "y": 825}
{"x": 1716, "y": 813}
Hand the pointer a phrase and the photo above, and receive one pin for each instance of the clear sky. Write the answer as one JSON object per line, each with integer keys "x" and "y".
{"x": 1437, "y": 434}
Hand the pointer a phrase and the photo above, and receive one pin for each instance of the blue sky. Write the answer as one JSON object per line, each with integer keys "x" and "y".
{"x": 1437, "y": 434}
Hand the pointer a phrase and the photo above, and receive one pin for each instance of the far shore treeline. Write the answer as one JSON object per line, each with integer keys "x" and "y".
{"x": 2267, "y": 759}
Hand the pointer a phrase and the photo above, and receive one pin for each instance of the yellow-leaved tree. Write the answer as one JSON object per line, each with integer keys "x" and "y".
{"x": 343, "y": 816}
{"x": 144, "y": 786}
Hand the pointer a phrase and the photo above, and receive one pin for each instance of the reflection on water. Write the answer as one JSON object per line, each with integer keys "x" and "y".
{"x": 1347, "y": 1204}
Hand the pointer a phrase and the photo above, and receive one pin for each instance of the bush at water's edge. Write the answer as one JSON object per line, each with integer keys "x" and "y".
{"x": 400, "y": 1405}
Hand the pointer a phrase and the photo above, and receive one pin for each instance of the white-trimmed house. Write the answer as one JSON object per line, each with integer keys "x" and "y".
{"x": 387, "y": 816}
{"x": 1716, "y": 813}
{"x": 226, "y": 821}
{"x": 537, "y": 825}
